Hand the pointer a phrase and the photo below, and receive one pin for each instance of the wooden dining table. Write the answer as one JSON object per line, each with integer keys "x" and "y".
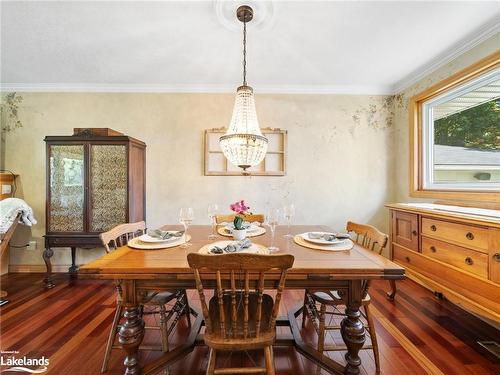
{"x": 143, "y": 271}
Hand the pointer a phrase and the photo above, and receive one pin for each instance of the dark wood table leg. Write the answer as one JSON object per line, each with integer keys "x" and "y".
{"x": 74, "y": 268}
{"x": 47, "y": 254}
{"x": 392, "y": 293}
{"x": 131, "y": 332}
{"x": 130, "y": 336}
{"x": 352, "y": 329}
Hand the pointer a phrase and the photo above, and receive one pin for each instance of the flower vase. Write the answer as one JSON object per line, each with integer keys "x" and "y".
{"x": 239, "y": 234}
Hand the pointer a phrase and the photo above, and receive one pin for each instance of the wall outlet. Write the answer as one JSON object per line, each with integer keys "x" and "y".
{"x": 6, "y": 189}
{"x": 32, "y": 245}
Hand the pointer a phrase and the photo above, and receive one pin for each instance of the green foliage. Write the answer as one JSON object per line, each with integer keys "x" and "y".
{"x": 477, "y": 127}
{"x": 238, "y": 222}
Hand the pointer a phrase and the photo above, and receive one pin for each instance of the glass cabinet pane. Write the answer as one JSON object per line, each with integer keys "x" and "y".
{"x": 108, "y": 186}
{"x": 66, "y": 188}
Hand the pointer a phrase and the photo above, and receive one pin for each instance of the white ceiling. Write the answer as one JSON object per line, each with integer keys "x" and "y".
{"x": 296, "y": 46}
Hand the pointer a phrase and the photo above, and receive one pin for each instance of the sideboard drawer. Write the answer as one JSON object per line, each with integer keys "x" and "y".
{"x": 482, "y": 292}
{"x": 467, "y": 235}
{"x": 468, "y": 260}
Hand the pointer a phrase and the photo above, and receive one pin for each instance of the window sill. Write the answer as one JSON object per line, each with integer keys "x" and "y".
{"x": 467, "y": 195}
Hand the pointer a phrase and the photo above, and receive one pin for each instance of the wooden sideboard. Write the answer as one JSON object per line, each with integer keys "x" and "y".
{"x": 456, "y": 255}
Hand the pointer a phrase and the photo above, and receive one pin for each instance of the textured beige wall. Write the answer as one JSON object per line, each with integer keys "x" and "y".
{"x": 401, "y": 128}
{"x": 339, "y": 154}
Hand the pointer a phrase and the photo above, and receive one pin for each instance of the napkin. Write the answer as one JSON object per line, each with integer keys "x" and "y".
{"x": 232, "y": 247}
{"x": 318, "y": 236}
{"x": 164, "y": 234}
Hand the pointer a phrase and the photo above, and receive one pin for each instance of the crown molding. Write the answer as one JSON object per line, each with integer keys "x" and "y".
{"x": 157, "y": 88}
{"x": 487, "y": 31}
{"x": 484, "y": 33}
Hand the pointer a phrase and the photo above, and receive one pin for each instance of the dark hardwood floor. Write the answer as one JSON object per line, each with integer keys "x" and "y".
{"x": 418, "y": 334}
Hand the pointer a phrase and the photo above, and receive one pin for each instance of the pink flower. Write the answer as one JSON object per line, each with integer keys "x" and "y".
{"x": 239, "y": 207}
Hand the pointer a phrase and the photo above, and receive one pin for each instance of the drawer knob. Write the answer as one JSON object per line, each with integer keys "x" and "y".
{"x": 469, "y": 236}
{"x": 433, "y": 228}
{"x": 496, "y": 257}
{"x": 469, "y": 261}
{"x": 407, "y": 259}
{"x": 414, "y": 232}
{"x": 433, "y": 249}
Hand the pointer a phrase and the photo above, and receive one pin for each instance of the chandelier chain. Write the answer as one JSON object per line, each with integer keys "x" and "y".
{"x": 245, "y": 52}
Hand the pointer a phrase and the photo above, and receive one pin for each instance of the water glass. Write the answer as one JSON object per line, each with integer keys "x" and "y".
{"x": 186, "y": 217}
{"x": 212, "y": 211}
{"x": 289, "y": 213}
{"x": 272, "y": 220}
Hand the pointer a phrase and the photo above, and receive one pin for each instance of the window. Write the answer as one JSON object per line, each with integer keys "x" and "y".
{"x": 456, "y": 135}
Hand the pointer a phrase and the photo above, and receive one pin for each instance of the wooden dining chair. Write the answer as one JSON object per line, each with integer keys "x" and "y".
{"x": 219, "y": 219}
{"x": 240, "y": 317}
{"x": 370, "y": 238}
{"x": 156, "y": 301}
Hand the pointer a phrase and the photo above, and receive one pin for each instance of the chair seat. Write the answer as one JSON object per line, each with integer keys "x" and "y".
{"x": 160, "y": 298}
{"x": 237, "y": 340}
{"x": 332, "y": 297}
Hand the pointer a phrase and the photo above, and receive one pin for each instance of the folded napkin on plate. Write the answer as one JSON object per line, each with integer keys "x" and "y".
{"x": 164, "y": 234}
{"x": 327, "y": 236}
{"x": 232, "y": 247}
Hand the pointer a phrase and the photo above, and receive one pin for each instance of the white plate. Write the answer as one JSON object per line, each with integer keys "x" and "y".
{"x": 223, "y": 231}
{"x": 148, "y": 239}
{"x": 135, "y": 243}
{"x": 254, "y": 249}
{"x": 342, "y": 246}
{"x": 320, "y": 241}
{"x": 251, "y": 228}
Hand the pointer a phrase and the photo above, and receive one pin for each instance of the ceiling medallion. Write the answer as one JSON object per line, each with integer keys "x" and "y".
{"x": 264, "y": 9}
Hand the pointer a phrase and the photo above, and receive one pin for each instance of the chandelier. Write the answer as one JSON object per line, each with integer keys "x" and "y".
{"x": 243, "y": 144}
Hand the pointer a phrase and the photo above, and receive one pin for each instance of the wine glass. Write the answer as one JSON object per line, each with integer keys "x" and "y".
{"x": 186, "y": 217}
{"x": 272, "y": 220}
{"x": 212, "y": 211}
{"x": 289, "y": 213}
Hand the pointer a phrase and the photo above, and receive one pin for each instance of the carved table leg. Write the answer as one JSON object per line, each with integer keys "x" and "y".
{"x": 131, "y": 332}
{"x": 47, "y": 254}
{"x": 352, "y": 329}
{"x": 74, "y": 268}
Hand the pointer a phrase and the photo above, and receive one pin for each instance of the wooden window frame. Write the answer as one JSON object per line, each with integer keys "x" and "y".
{"x": 283, "y": 153}
{"x": 483, "y": 66}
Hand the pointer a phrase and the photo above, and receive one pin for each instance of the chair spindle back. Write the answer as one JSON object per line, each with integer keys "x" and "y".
{"x": 368, "y": 236}
{"x": 121, "y": 234}
{"x": 219, "y": 219}
{"x": 252, "y": 269}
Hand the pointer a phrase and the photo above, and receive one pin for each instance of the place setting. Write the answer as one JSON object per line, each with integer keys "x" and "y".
{"x": 240, "y": 227}
{"x": 328, "y": 241}
{"x": 230, "y": 247}
{"x": 243, "y": 226}
{"x": 163, "y": 239}
{"x": 158, "y": 239}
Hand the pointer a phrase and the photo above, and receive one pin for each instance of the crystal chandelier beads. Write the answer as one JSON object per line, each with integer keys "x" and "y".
{"x": 243, "y": 144}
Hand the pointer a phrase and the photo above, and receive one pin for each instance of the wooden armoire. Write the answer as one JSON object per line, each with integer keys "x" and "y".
{"x": 95, "y": 181}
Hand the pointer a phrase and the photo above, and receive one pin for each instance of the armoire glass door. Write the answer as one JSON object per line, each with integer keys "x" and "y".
{"x": 108, "y": 186}
{"x": 66, "y": 184}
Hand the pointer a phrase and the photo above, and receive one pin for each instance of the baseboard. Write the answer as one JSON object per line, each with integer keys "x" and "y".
{"x": 37, "y": 268}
